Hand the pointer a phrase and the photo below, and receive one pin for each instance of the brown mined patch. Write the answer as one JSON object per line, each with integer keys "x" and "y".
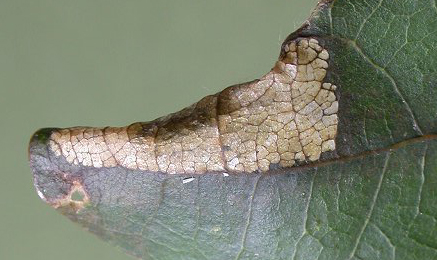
{"x": 287, "y": 117}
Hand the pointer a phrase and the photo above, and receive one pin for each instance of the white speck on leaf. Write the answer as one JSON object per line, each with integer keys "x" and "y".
{"x": 188, "y": 180}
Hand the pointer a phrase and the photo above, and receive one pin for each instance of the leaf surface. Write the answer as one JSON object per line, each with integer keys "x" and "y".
{"x": 372, "y": 197}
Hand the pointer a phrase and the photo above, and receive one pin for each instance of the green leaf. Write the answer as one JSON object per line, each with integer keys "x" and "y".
{"x": 373, "y": 197}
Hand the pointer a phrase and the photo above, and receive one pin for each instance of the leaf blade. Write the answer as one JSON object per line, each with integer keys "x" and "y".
{"x": 364, "y": 205}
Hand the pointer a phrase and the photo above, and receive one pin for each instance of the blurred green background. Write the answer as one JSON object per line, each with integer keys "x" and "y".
{"x": 99, "y": 63}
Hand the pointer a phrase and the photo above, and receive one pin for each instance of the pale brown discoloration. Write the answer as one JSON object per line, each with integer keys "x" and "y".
{"x": 68, "y": 200}
{"x": 288, "y": 115}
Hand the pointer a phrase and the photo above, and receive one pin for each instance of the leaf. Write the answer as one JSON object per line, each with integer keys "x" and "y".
{"x": 365, "y": 189}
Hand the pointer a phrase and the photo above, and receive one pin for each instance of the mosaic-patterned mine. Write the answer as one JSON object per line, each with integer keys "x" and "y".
{"x": 288, "y": 116}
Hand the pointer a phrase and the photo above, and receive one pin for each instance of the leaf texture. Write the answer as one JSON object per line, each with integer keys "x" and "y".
{"x": 372, "y": 195}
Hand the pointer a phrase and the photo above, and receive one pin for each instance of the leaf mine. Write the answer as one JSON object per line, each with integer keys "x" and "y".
{"x": 289, "y": 116}
{"x": 288, "y": 166}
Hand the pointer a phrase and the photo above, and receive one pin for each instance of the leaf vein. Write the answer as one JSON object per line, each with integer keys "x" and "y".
{"x": 367, "y": 19}
{"x": 163, "y": 245}
{"x": 372, "y": 205}
{"x": 249, "y": 217}
{"x": 366, "y": 139}
{"x": 168, "y": 228}
{"x": 305, "y": 220}
{"x": 423, "y": 244}
{"x": 401, "y": 47}
{"x": 393, "y": 82}
{"x": 433, "y": 4}
{"x": 422, "y": 179}
{"x": 388, "y": 240}
{"x": 388, "y": 128}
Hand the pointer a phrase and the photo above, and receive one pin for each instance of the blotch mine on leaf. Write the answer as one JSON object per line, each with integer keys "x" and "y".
{"x": 288, "y": 115}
